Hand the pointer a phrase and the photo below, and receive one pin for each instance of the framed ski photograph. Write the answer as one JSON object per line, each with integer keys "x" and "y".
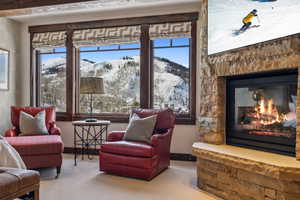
{"x": 238, "y": 23}
{"x": 4, "y": 69}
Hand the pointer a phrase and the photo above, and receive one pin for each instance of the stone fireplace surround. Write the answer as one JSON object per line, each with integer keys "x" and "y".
{"x": 280, "y": 54}
{"x": 235, "y": 173}
{"x": 239, "y": 173}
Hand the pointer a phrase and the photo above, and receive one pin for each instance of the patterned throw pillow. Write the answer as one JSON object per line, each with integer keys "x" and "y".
{"x": 140, "y": 129}
{"x": 30, "y": 125}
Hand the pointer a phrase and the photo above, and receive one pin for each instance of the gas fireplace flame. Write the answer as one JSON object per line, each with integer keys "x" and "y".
{"x": 267, "y": 113}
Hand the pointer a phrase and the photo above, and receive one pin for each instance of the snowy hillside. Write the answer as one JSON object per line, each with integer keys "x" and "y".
{"x": 122, "y": 83}
{"x": 277, "y": 19}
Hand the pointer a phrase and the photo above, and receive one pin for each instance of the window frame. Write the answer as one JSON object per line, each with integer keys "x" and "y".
{"x": 146, "y": 66}
{"x": 38, "y": 76}
{"x": 184, "y": 118}
{"x": 117, "y": 117}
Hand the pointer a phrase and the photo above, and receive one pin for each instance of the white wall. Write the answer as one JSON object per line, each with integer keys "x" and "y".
{"x": 10, "y": 40}
{"x": 184, "y": 135}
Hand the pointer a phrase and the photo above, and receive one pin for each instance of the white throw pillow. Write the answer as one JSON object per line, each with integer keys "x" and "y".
{"x": 9, "y": 156}
{"x": 30, "y": 125}
{"x": 140, "y": 129}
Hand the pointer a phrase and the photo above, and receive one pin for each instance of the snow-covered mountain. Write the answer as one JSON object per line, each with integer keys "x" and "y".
{"x": 122, "y": 82}
{"x": 277, "y": 18}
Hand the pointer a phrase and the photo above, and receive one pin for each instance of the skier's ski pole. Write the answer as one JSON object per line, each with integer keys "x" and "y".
{"x": 258, "y": 19}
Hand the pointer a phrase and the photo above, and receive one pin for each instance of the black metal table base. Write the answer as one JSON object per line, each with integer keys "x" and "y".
{"x": 87, "y": 137}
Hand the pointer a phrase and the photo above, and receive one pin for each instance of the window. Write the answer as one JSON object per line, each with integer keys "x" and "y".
{"x": 150, "y": 64}
{"x": 119, "y": 65}
{"x": 52, "y": 65}
{"x": 171, "y": 64}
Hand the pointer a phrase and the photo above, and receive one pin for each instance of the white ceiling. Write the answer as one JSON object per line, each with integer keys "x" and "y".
{"x": 92, "y": 5}
{"x": 86, "y": 7}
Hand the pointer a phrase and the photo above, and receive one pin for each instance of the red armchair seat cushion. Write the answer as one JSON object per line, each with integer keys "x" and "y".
{"x": 137, "y": 149}
{"x": 129, "y": 161}
{"x": 36, "y": 145}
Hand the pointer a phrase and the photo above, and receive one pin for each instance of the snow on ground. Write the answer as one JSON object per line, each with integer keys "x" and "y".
{"x": 53, "y": 62}
{"x": 170, "y": 88}
{"x": 277, "y": 19}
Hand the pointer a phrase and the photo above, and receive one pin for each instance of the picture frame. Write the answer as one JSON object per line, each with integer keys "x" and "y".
{"x": 4, "y": 69}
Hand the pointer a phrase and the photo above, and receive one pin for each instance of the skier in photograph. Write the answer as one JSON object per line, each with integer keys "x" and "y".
{"x": 247, "y": 21}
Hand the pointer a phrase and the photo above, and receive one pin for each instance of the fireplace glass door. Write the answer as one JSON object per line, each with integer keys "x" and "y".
{"x": 261, "y": 112}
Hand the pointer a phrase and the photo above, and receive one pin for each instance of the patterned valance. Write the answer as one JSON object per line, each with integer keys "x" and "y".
{"x": 107, "y": 36}
{"x": 170, "y": 30}
{"x": 49, "y": 40}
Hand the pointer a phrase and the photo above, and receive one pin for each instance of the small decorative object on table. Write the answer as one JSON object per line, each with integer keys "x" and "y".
{"x": 87, "y": 134}
{"x": 91, "y": 85}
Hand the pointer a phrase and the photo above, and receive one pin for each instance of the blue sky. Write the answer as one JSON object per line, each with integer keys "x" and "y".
{"x": 178, "y": 55}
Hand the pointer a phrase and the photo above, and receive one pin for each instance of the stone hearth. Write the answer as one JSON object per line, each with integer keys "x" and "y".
{"x": 235, "y": 173}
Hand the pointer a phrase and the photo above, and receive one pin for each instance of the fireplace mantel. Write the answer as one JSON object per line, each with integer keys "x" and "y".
{"x": 229, "y": 171}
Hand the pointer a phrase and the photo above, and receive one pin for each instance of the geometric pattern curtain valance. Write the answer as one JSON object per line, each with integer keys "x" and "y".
{"x": 107, "y": 36}
{"x": 170, "y": 30}
{"x": 49, "y": 40}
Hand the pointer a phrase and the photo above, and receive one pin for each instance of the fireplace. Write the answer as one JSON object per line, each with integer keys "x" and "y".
{"x": 261, "y": 111}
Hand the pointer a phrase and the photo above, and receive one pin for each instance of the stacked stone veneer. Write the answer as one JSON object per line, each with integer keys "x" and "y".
{"x": 235, "y": 178}
{"x": 279, "y": 54}
{"x": 232, "y": 180}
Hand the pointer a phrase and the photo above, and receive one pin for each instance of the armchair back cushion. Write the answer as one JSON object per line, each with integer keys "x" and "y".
{"x": 165, "y": 118}
{"x": 49, "y": 119}
{"x": 30, "y": 125}
{"x": 140, "y": 129}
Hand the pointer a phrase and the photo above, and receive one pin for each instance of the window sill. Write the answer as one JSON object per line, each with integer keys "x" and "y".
{"x": 63, "y": 117}
{"x": 118, "y": 118}
{"x": 115, "y": 118}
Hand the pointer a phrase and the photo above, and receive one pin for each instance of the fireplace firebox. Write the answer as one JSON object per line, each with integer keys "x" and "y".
{"x": 261, "y": 111}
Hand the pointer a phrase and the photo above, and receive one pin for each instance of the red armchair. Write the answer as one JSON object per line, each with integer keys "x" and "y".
{"x": 37, "y": 151}
{"x": 137, "y": 159}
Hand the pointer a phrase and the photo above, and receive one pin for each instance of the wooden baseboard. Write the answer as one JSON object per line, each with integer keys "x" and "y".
{"x": 183, "y": 157}
{"x": 71, "y": 150}
{"x": 174, "y": 156}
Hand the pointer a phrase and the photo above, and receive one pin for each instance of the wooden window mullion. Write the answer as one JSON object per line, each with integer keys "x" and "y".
{"x": 193, "y": 70}
{"x": 151, "y": 74}
{"x": 32, "y": 74}
{"x": 38, "y": 78}
{"x": 70, "y": 75}
{"x": 145, "y": 80}
{"x": 77, "y": 80}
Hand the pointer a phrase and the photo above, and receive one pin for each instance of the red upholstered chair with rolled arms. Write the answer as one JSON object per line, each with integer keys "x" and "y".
{"x": 137, "y": 159}
{"x": 37, "y": 151}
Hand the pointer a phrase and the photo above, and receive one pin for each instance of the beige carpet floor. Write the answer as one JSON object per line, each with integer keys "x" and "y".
{"x": 86, "y": 182}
